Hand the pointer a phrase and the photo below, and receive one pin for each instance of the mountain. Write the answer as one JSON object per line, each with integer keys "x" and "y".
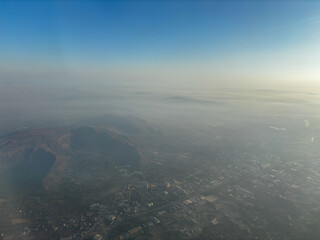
{"x": 47, "y": 157}
{"x": 189, "y": 100}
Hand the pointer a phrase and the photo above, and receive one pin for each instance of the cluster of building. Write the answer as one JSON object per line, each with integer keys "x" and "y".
{"x": 213, "y": 198}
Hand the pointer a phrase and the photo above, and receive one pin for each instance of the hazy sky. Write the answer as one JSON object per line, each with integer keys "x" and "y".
{"x": 203, "y": 44}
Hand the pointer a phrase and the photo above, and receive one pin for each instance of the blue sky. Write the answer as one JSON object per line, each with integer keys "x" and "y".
{"x": 205, "y": 43}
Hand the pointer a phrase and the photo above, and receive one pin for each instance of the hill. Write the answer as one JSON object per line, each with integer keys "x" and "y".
{"x": 45, "y": 157}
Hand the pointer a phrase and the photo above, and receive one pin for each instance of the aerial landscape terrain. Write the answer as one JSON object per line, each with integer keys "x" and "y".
{"x": 159, "y": 120}
{"x": 226, "y": 166}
